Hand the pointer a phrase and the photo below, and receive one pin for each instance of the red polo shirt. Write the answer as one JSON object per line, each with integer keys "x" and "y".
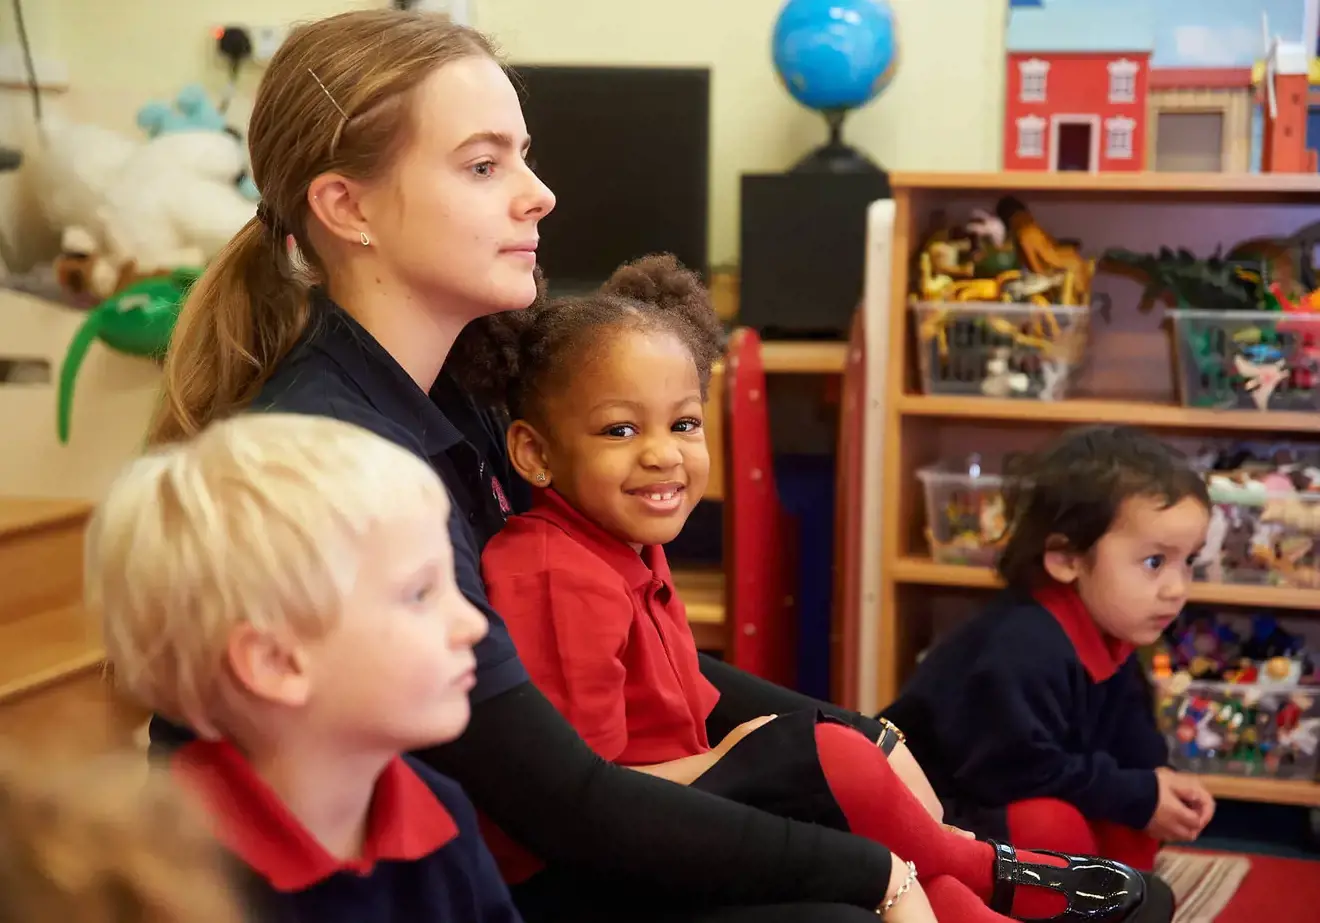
{"x": 602, "y": 633}
{"x": 407, "y": 823}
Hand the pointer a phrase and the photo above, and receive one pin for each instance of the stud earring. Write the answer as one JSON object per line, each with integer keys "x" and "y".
{"x": 540, "y": 477}
{"x": 366, "y": 241}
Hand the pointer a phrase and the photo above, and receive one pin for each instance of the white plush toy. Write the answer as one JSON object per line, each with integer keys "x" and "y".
{"x": 163, "y": 203}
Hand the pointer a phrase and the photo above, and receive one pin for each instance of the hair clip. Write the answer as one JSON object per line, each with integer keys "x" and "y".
{"x": 328, "y": 96}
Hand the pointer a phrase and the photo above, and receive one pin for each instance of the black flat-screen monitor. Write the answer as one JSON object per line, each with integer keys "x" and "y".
{"x": 627, "y": 152}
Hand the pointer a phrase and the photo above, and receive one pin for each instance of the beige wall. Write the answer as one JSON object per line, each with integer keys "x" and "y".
{"x": 943, "y": 111}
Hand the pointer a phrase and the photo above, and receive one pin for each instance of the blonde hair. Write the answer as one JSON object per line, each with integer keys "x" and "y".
{"x": 336, "y": 97}
{"x": 259, "y": 520}
{"x": 101, "y": 843}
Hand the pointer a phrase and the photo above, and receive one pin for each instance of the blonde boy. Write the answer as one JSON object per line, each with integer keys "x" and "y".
{"x": 283, "y": 586}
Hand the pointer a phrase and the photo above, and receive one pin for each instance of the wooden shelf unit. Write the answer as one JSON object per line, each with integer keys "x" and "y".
{"x": 703, "y": 590}
{"x": 1128, "y": 379}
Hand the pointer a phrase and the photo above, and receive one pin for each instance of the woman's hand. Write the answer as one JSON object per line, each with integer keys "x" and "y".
{"x": 905, "y": 767}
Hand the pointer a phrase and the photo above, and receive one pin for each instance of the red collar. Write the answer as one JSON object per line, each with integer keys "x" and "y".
{"x": 407, "y": 821}
{"x": 1100, "y": 654}
{"x": 640, "y": 570}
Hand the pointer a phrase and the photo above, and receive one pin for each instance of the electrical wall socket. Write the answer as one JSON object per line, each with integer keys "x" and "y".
{"x": 266, "y": 40}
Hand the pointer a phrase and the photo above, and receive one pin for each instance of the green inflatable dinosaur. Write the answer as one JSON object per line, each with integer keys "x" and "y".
{"x": 138, "y": 320}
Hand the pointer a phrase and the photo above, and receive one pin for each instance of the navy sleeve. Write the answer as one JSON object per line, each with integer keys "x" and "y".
{"x": 1139, "y": 745}
{"x": 530, "y": 773}
{"x": 495, "y": 905}
{"x": 1014, "y": 710}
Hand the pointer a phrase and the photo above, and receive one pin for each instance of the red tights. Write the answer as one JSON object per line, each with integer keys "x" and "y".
{"x": 1058, "y": 826}
{"x": 956, "y": 872}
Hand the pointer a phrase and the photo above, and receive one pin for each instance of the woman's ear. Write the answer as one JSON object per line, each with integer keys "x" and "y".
{"x": 527, "y": 453}
{"x": 1060, "y": 561}
{"x": 336, "y": 201}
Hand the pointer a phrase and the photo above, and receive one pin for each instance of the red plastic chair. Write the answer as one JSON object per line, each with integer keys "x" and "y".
{"x": 759, "y": 533}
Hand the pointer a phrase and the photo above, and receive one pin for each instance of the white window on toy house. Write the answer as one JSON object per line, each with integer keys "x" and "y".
{"x": 1031, "y": 136}
{"x": 1118, "y": 138}
{"x": 1123, "y": 80}
{"x": 1032, "y": 75}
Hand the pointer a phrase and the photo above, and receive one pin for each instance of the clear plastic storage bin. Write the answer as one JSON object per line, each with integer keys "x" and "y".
{"x": 1260, "y": 536}
{"x": 1248, "y": 360}
{"x": 965, "y": 513}
{"x": 1239, "y": 730}
{"x": 996, "y": 349}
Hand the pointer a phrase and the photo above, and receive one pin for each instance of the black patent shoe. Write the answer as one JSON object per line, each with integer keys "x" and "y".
{"x": 1097, "y": 890}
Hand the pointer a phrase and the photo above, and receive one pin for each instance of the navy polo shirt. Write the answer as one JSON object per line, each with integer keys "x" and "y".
{"x": 422, "y": 855}
{"x": 339, "y": 370}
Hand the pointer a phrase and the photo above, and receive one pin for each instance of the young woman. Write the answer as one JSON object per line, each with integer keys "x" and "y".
{"x": 390, "y": 147}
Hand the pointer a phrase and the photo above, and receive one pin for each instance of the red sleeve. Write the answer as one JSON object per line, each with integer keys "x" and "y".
{"x": 570, "y": 626}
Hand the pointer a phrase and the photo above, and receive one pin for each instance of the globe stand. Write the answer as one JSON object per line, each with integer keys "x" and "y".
{"x": 834, "y": 156}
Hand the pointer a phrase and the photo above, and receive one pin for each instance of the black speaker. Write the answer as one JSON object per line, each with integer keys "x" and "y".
{"x": 803, "y": 243}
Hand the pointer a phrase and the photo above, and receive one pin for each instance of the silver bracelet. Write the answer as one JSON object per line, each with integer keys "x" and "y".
{"x": 904, "y": 888}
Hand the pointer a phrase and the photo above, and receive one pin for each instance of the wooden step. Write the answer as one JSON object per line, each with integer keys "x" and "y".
{"x": 77, "y": 717}
{"x": 702, "y": 592}
{"x": 46, "y": 647}
{"x": 41, "y": 555}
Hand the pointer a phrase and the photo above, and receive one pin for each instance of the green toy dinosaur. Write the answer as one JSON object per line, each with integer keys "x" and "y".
{"x": 1213, "y": 284}
{"x": 138, "y": 320}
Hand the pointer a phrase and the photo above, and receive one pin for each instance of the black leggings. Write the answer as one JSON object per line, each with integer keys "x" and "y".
{"x": 769, "y": 913}
{"x": 633, "y": 908}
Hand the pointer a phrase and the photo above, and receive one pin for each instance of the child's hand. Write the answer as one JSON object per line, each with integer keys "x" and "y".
{"x": 1174, "y": 819}
{"x": 731, "y": 739}
{"x": 1193, "y": 793}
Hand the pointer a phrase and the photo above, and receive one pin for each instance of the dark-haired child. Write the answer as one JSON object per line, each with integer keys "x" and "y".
{"x": 1034, "y": 719}
{"x": 606, "y": 396}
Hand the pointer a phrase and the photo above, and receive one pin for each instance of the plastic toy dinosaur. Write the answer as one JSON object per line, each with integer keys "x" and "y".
{"x": 1214, "y": 284}
{"x": 1044, "y": 255}
{"x": 138, "y": 320}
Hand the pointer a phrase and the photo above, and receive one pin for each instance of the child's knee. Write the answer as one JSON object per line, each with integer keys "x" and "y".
{"x": 1048, "y": 823}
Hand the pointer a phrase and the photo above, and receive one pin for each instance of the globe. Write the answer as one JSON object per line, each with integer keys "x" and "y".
{"x": 834, "y": 56}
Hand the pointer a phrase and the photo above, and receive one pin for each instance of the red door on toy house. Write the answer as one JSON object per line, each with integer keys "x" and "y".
{"x": 1071, "y": 111}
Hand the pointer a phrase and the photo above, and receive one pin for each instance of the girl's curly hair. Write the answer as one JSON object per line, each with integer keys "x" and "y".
{"x": 514, "y": 359}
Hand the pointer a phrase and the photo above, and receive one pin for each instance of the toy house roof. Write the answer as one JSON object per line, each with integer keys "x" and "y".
{"x": 1081, "y": 26}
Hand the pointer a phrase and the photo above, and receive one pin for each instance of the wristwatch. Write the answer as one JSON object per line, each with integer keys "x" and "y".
{"x": 890, "y": 736}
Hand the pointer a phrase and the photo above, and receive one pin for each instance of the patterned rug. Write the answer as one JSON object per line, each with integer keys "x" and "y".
{"x": 1202, "y": 883}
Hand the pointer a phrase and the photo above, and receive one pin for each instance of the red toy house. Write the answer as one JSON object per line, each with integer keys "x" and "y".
{"x": 1083, "y": 112}
{"x": 1076, "y": 90}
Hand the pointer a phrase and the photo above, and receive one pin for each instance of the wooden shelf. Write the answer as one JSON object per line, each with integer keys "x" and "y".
{"x": 1089, "y": 410}
{"x": 1254, "y": 186}
{"x": 1141, "y": 211}
{"x": 1270, "y": 791}
{"x": 804, "y": 357}
{"x": 925, "y": 572}
{"x": 702, "y": 592}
